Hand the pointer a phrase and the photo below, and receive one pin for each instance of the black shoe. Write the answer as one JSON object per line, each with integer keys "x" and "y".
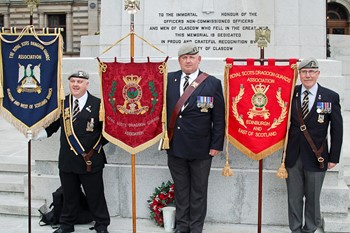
{"x": 178, "y": 231}
{"x": 60, "y": 230}
{"x": 102, "y": 231}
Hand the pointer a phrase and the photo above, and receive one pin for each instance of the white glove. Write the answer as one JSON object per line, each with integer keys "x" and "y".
{"x": 40, "y": 135}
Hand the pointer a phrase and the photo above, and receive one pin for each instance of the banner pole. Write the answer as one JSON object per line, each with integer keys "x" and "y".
{"x": 29, "y": 136}
{"x": 132, "y": 6}
{"x": 260, "y": 165}
{"x": 31, "y": 4}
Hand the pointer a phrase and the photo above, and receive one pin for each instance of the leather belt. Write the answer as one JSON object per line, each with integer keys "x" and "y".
{"x": 87, "y": 160}
{"x": 189, "y": 90}
{"x": 317, "y": 152}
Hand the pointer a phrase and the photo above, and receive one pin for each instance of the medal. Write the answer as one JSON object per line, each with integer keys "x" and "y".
{"x": 320, "y": 118}
{"x": 205, "y": 102}
{"x": 90, "y": 125}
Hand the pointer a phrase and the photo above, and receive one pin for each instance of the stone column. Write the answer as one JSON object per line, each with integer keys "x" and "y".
{"x": 6, "y": 20}
{"x": 69, "y": 32}
{"x": 41, "y": 19}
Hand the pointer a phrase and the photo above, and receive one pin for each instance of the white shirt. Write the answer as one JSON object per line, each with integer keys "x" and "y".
{"x": 192, "y": 76}
{"x": 82, "y": 101}
{"x": 312, "y": 95}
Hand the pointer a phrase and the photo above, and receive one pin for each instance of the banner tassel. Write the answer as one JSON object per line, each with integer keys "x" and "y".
{"x": 227, "y": 171}
{"x": 282, "y": 172}
{"x": 102, "y": 113}
{"x": 165, "y": 145}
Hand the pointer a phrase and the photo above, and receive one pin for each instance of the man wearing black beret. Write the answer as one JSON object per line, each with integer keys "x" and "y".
{"x": 196, "y": 126}
{"x": 314, "y": 110}
{"x": 81, "y": 157}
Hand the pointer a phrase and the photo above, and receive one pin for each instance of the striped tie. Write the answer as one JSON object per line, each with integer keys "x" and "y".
{"x": 75, "y": 109}
{"x": 305, "y": 104}
{"x": 186, "y": 83}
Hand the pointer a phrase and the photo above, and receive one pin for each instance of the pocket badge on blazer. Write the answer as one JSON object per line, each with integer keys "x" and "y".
{"x": 205, "y": 102}
{"x": 90, "y": 125}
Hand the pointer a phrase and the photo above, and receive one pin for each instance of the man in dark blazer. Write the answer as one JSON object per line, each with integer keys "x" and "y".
{"x": 81, "y": 157}
{"x": 198, "y": 136}
{"x": 314, "y": 109}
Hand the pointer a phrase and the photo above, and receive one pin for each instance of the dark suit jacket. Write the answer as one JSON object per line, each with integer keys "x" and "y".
{"x": 297, "y": 143}
{"x": 68, "y": 161}
{"x": 196, "y": 132}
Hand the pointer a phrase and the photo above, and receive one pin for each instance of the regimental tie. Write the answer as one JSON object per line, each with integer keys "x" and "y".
{"x": 186, "y": 83}
{"x": 305, "y": 104}
{"x": 75, "y": 109}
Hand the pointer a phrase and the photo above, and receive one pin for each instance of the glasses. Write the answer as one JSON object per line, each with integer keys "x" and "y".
{"x": 311, "y": 72}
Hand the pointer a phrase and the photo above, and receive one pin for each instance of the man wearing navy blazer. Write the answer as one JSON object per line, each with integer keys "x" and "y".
{"x": 198, "y": 136}
{"x": 314, "y": 110}
{"x": 81, "y": 144}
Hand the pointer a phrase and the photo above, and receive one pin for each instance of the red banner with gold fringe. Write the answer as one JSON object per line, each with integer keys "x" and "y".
{"x": 133, "y": 103}
{"x": 258, "y": 100}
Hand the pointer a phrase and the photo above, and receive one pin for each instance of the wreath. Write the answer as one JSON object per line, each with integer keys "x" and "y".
{"x": 162, "y": 196}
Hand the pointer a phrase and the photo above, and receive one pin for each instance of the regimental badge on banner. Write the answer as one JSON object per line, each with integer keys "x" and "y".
{"x": 31, "y": 78}
{"x": 133, "y": 102}
{"x": 258, "y": 105}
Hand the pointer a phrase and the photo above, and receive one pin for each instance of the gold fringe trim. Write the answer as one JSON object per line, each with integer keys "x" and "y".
{"x": 263, "y": 154}
{"x": 165, "y": 140}
{"x": 22, "y": 128}
{"x": 129, "y": 149}
{"x": 1, "y": 90}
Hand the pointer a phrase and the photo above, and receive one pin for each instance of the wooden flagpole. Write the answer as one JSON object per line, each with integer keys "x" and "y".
{"x": 132, "y": 6}
{"x": 31, "y": 4}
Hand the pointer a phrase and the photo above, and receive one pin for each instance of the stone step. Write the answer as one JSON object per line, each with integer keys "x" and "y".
{"x": 15, "y": 164}
{"x": 346, "y": 177}
{"x": 12, "y": 183}
{"x": 15, "y": 204}
{"x": 336, "y": 223}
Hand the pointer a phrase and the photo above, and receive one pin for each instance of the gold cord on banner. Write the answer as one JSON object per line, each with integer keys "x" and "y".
{"x": 131, "y": 33}
{"x": 282, "y": 171}
{"x": 28, "y": 30}
{"x": 101, "y": 68}
{"x": 227, "y": 171}
{"x": 165, "y": 140}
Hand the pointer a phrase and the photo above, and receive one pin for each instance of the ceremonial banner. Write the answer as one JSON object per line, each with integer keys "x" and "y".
{"x": 30, "y": 73}
{"x": 258, "y": 100}
{"x": 133, "y": 103}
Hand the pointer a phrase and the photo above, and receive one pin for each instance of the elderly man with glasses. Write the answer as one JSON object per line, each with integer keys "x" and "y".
{"x": 309, "y": 155}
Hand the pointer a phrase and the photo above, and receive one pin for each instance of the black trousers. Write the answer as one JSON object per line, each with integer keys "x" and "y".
{"x": 191, "y": 186}
{"x": 94, "y": 191}
{"x": 303, "y": 184}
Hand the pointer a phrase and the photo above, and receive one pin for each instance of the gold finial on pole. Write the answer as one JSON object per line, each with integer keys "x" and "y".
{"x": 262, "y": 36}
{"x": 132, "y": 6}
{"x": 31, "y": 5}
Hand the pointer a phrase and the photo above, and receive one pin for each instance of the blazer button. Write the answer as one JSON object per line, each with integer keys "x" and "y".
{"x": 178, "y": 127}
{"x": 180, "y": 116}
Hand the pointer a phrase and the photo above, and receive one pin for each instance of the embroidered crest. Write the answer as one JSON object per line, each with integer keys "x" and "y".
{"x": 28, "y": 78}
{"x": 259, "y": 101}
{"x": 132, "y": 94}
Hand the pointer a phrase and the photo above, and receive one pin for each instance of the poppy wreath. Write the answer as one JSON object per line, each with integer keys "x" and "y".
{"x": 162, "y": 196}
